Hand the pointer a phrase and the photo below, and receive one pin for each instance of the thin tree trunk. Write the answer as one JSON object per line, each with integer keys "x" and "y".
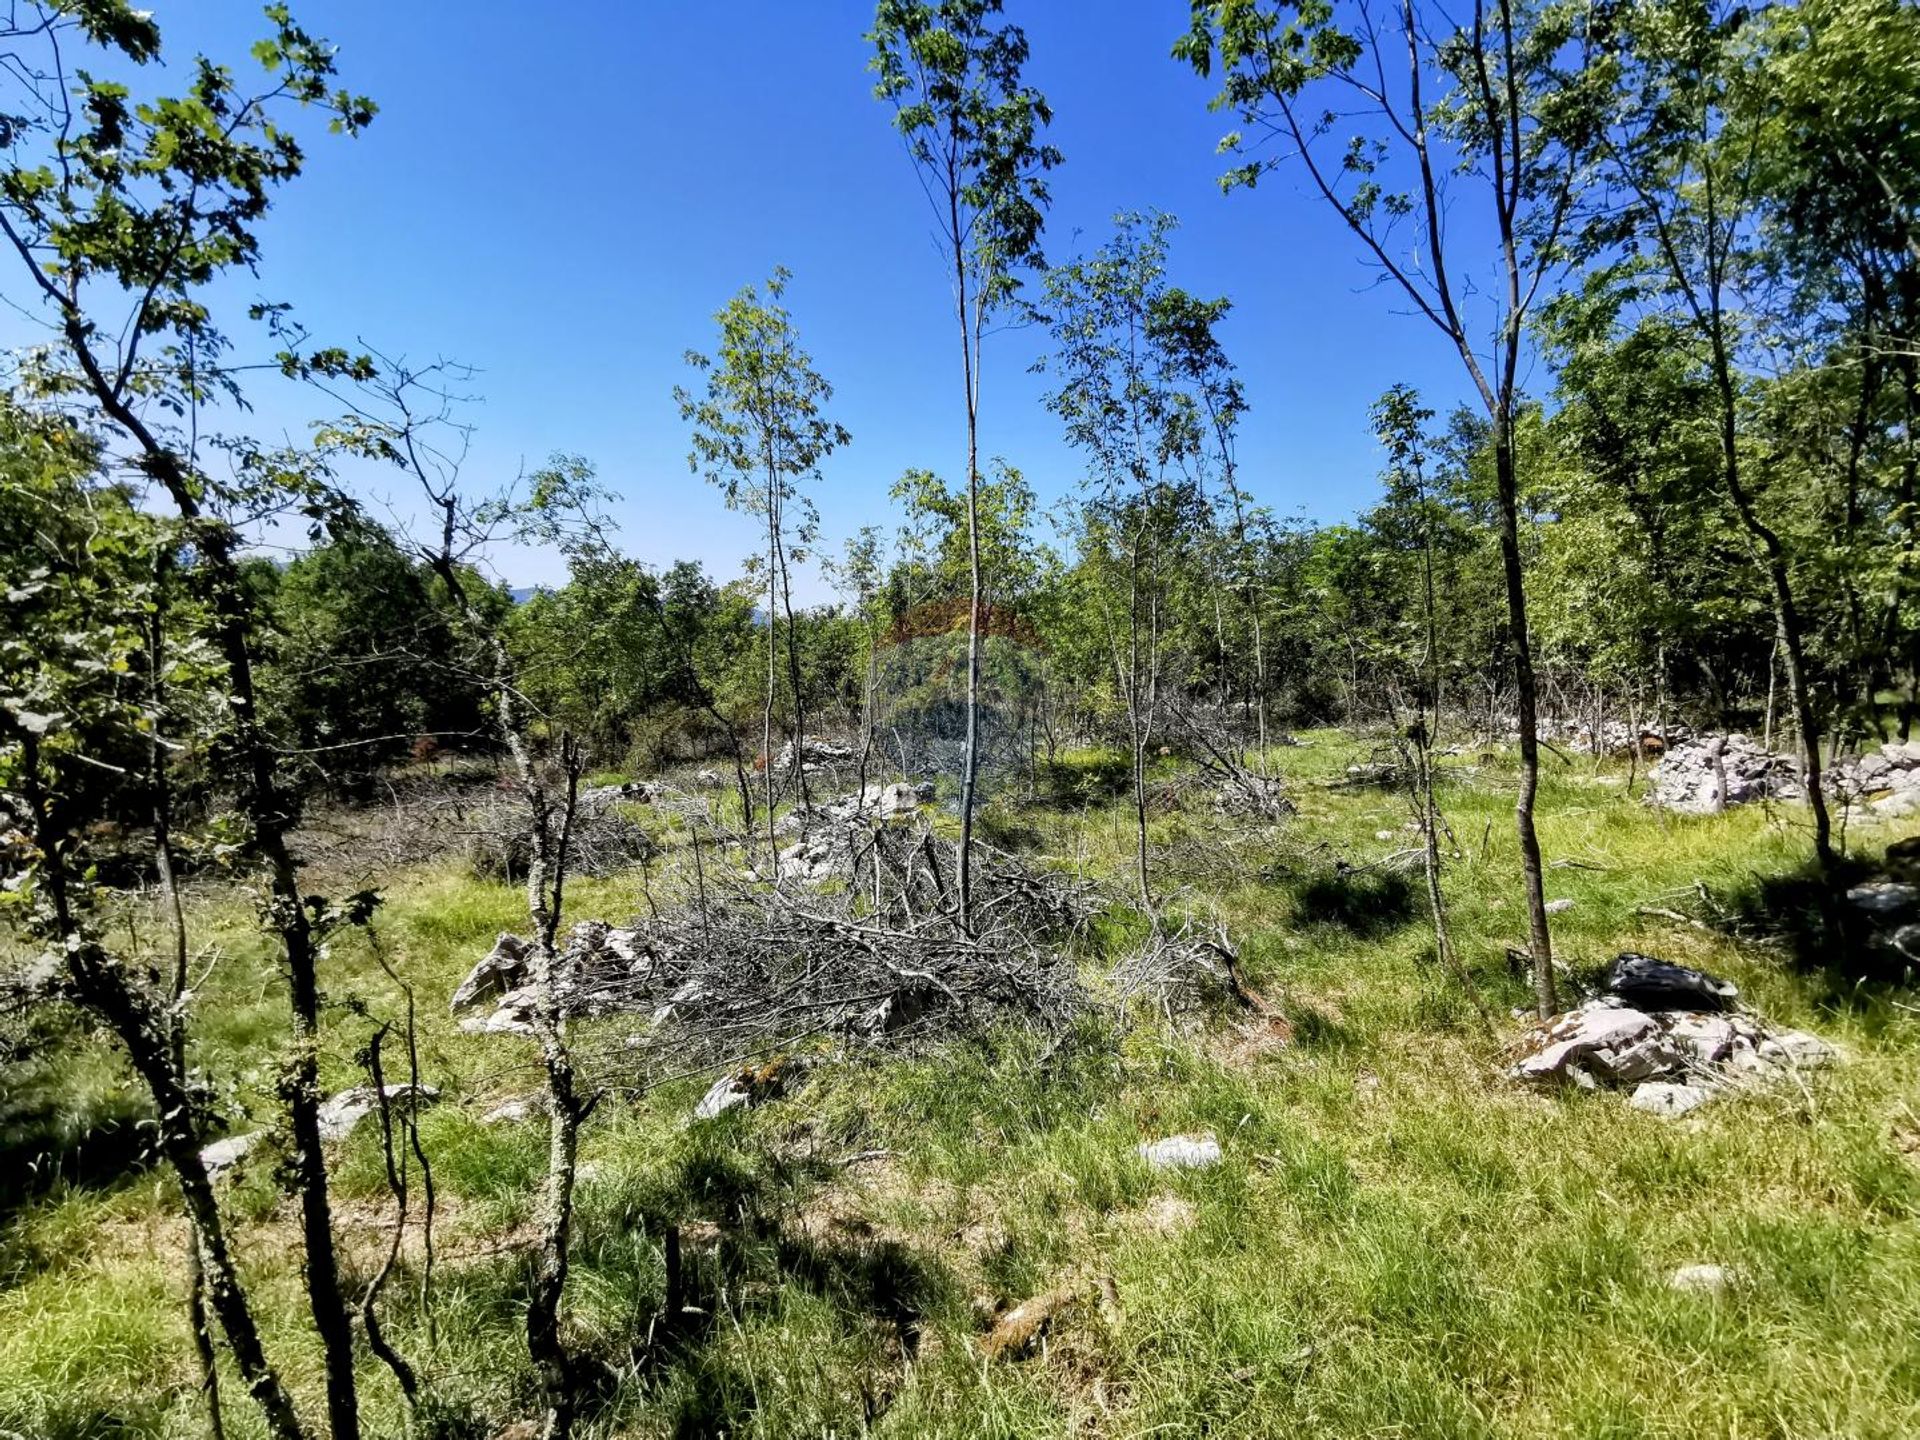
{"x": 1546, "y": 1002}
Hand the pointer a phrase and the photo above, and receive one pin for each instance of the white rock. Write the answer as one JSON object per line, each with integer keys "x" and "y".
{"x": 223, "y": 1155}
{"x": 343, "y": 1112}
{"x": 1594, "y": 1031}
{"x": 1885, "y": 899}
{"x": 1182, "y": 1152}
{"x": 514, "y": 1111}
{"x": 1705, "y": 1039}
{"x": 503, "y": 967}
{"x": 1703, "y": 1279}
{"x": 727, "y": 1093}
{"x": 1559, "y": 907}
{"x": 1797, "y": 1048}
{"x": 1660, "y": 1097}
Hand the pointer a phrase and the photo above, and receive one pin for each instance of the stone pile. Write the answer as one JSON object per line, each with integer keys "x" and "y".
{"x": 1707, "y": 774}
{"x": 1704, "y": 776}
{"x": 591, "y": 947}
{"x": 1886, "y": 781}
{"x": 815, "y": 754}
{"x": 1673, "y": 1033}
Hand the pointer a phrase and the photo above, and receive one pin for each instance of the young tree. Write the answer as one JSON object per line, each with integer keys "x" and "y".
{"x": 972, "y": 128}
{"x": 120, "y": 215}
{"x": 1123, "y": 351}
{"x": 1400, "y": 421}
{"x": 1690, "y": 173}
{"x": 1503, "y": 120}
{"x": 108, "y": 685}
{"x": 758, "y": 432}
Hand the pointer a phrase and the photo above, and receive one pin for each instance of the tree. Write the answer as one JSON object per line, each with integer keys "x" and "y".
{"x": 120, "y": 215}
{"x": 1691, "y": 183}
{"x": 108, "y": 686}
{"x": 1400, "y": 421}
{"x": 1504, "y": 121}
{"x": 1123, "y": 360}
{"x": 972, "y": 128}
{"x": 758, "y": 431}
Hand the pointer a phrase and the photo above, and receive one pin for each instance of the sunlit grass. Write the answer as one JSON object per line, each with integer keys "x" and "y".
{"x": 1399, "y": 1241}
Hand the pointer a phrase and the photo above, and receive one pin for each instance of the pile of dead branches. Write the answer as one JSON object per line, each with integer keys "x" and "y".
{"x": 878, "y": 959}
{"x": 1235, "y": 789}
{"x": 1184, "y": 974}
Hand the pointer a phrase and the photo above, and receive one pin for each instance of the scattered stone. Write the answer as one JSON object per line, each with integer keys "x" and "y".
{"x": 1384, "y": 834}
{"x": 1886, "y": 901}
{"x": 1667, "y": 1099}
{"x": 1650, "y": 984}
{"x": 1703, "y": 1279}
{"x": 513, "y": 1112}
{"x": 815, "y": 754}
{"x": 749, "y": 1086}
{"x": 342, "y": 1114}
{"x": 1797, "y": 1048}
{"x": 1182, "y": 1152}
{"x": 1559, "y": 907}
{"x": 639, "y": 792}
{"x": 222, "y": 1155}
{"x": 726, "y": 1093}
{"x": 503, "y": 968}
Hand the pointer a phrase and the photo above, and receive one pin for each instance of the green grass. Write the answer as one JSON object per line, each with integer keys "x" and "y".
{"x": 1399, "y": 1242}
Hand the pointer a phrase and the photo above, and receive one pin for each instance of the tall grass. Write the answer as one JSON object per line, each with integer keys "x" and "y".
{"x": 1399, "y": 1242}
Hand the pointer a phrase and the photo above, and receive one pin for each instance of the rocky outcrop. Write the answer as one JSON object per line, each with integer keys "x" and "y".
{"x": 503, "y": 968}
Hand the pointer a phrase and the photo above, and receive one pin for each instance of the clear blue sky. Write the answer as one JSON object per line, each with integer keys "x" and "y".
{"x": 562, "y": 195}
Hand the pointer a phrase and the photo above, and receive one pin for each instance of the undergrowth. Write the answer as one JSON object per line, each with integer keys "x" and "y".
{"x": 1398, "y": 1241}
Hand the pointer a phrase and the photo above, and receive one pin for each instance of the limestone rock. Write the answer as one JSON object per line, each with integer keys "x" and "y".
{"x": 342, "y": 1114}
{"x": 503, "y": 968}
{"x": 516, "y": 1110}
{"x": 223, "y": 1155}
{"x": 1182, "y": 1152}
{"x": 1797, "y": 1048}
{"x": 1886, "y": 901}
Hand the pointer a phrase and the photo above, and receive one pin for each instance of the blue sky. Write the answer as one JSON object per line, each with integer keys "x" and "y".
{"x": 562, "y": 195}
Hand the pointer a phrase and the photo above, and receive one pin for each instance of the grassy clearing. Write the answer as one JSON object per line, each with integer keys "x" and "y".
{"x": 1398, "y": 1242}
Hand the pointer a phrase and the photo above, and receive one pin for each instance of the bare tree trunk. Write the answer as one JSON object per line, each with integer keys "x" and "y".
{"x": 1546, "y": 1002}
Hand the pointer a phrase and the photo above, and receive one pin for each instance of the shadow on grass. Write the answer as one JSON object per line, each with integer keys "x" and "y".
{"x": 1825, "y": 938}
{"x": 1086, "y": 779}
{"x": 54, "y": 1133}
{"x": 745, "y": 1247}
{"x": 1368, "y": 904}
